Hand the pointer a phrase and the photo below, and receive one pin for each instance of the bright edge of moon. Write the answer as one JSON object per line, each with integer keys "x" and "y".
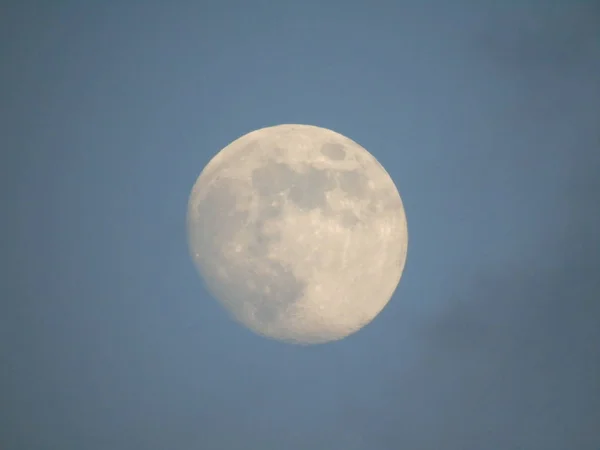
{"x": 299, "y": 232}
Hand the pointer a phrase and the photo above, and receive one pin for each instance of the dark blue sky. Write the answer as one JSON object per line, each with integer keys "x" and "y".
{"x": 485, "y": 114}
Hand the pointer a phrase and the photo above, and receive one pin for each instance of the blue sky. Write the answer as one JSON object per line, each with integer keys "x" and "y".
{"x": 484, "y": 113}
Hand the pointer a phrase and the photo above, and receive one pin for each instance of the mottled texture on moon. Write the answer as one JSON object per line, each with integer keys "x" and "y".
{"x": 299, "y": 232}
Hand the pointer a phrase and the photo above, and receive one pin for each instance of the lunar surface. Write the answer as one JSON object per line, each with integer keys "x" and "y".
{"x": 299, "y": 232}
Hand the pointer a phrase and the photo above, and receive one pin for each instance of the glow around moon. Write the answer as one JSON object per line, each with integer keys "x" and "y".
{"x": 299, "y": 232}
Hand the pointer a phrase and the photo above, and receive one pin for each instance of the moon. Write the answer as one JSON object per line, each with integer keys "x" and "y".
{"x": 299, "y": 232}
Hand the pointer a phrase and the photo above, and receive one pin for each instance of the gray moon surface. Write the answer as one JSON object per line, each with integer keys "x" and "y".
{"x": 299, "y": 232}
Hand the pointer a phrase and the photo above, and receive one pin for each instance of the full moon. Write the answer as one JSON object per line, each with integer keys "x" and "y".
{"x": 299, "y": 232}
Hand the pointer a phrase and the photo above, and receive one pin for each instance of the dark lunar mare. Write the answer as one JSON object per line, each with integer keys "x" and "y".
{"x": 217, "y": 223}
{"x": 334, "y": 151}
{"x": 306, "y": 190}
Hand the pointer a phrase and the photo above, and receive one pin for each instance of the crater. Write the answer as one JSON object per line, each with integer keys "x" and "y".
{"x": 348, "y": 219}
{"x": 270, "y": 208}
{"x": 333, "y": 151}
{"x": 353, "y": 183}
{"x": 258, "y": 246}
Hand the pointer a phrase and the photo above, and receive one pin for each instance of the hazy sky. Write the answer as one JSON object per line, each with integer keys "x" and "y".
{"x": 485, "y": 113}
